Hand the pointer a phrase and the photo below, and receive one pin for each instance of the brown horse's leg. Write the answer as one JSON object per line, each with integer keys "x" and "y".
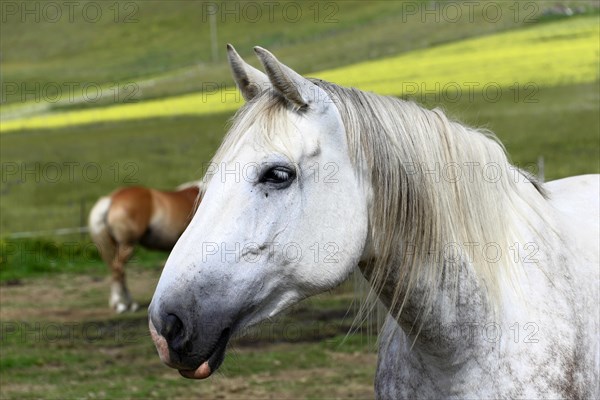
{"x": 120, "y": 299}
{"x": 128, "y": 219}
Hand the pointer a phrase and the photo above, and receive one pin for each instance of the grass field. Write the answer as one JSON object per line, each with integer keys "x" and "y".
{"x": 164, "y": 48}
{"x": 557, "y": 53}
{"x": 58, "y": 338}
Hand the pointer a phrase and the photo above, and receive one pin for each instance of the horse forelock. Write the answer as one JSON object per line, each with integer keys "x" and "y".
{"x": 417, "y": 211}
{"x": 264, "y": 118}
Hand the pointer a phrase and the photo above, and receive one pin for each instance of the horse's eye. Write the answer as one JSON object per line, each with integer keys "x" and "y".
{"x": 279, "y": 176}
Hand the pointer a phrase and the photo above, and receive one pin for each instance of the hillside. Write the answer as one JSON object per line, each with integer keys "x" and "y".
{"x": 518, "y": 62}
{"x": 154, "y": 49}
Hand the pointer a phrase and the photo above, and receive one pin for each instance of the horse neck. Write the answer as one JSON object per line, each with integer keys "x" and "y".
{"x": 441, "y": 326}
{"x": 446, "y": 320}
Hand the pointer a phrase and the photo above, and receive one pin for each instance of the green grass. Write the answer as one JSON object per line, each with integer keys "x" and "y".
{"x": 169, "y": 42}
{"x": 558, "y": 53}
{"x": 24, "y": 258}
{"x": 161, "y": 37}
{"x": 43, "y": 257}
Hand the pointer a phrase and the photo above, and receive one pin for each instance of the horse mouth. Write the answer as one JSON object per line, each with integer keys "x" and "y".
{"x": 214, "y": 360}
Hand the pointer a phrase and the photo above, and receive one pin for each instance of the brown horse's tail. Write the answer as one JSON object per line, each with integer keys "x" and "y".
{"x": 99, "y": 231}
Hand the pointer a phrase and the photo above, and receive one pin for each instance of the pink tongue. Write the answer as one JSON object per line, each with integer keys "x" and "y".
{"x": 203, "y": 371}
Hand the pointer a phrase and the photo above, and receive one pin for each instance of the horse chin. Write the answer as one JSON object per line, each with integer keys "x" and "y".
{"x": 214, "y": 360}
{"x": 202, "y": 372}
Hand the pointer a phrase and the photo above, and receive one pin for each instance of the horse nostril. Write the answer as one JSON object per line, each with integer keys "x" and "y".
{"x": 172, "y": 328}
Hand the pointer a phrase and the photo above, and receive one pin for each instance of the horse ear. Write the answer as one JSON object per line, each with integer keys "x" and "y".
{"x": 294, "y": 87}
{"x": 250, "y": 81}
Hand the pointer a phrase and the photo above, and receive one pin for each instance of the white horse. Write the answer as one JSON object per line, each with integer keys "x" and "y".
{"x": 490, "y": 279}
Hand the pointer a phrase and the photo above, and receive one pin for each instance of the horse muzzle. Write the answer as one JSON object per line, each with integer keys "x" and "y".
{"x": 174, "y": 341}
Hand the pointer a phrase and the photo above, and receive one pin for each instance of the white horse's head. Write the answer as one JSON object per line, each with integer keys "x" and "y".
{"x": 284, "y": 216}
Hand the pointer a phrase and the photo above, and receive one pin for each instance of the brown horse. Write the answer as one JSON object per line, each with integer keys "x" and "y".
{"x": 138, "y": 215}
